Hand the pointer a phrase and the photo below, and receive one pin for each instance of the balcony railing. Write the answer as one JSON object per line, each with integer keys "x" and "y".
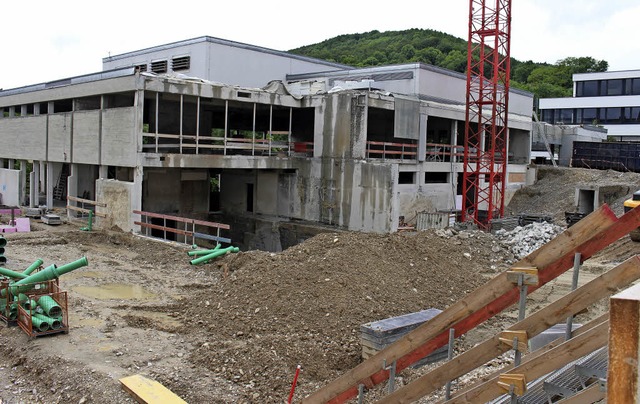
{"x": 392, "y": 150}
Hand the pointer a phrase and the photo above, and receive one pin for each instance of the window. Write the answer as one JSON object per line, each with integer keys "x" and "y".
{"x": 614, "y": 87}
{"x": 436, "y": 177}
{"x": 547, "y": 115}
{"x": 141, "y": 68}
{"x": 566, "y": 116}
{"x": 159, "y": 66}
{"x": 589, "y": 89}
{"x": 635, "y": 87}
{"x": 614, "y": 115}
{"x": 406, "y": 177}
{"x": 181, "y": 63}
{"x": 632, "y": 114}
{"x": 589, "y": 115}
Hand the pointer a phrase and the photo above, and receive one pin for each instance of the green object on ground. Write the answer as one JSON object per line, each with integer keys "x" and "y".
{"x": 215, "y": 254}
{"x": 33, "y": 267}
{"x": 90, "y": 223}
{"x": 50, "y": 307}
{"x": 204, "y": 252}
{"x": 39, "y": 323}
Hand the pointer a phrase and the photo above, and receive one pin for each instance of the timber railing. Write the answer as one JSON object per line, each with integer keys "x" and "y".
{"x": 86, "y": 206}
{"x": 189, "y": 229}
{"x": 392, "y": 150}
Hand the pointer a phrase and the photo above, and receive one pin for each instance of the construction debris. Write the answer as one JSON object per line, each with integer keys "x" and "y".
{"x": 522, "y": 241}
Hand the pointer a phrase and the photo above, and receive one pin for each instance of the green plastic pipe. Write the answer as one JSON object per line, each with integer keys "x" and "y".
{"x": 39, "y": 323}
{"x": 203, "y": 252}
{"x": 11, "y": 274}
{"x": 214, "y": 254}
{"x": 54, "y": 322}
{"x": 33, "y": 267}
{"x": 13, "y": 311}
{"x": 49, "y": 306}
{"x": 3, "y": 241}
{"x": 47, "y": 274}
{"x": 90, "y": 223}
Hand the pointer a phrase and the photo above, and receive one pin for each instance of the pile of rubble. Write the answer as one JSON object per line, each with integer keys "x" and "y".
{"x": 523, "y": 240}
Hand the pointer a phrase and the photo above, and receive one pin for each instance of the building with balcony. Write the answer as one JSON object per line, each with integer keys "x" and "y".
{"x": 339, "y": 148}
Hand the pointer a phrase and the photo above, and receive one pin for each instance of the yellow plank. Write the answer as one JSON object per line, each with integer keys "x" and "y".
{"x": 147, "y": 391}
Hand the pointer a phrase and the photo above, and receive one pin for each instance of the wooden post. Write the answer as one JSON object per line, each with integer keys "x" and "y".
{"x": 624, "y": 347}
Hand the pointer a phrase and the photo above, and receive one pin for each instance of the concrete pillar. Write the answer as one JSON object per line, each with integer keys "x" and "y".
{"x": 12, "y": 164}
{"x": 51, "y": 182}
{"x": 103, "y": 172}
{"x": 72, "y": 188}
{"x": 1, "y": 163}
{"x": 422, "y": 140}
{"x": 34, "y": 185}
{"x": 36, "y": 108}
{"x": 43, "y": 177}
{"x": 23, "y": 182}
{"x": 624, "y": 347}
{"x": 136, "y": 196}
{"x": 23, "y": 110}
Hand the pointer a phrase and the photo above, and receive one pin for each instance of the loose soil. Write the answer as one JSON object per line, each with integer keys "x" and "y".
{"x": 234, "y": 330}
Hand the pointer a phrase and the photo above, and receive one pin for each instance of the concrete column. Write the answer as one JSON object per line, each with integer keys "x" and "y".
{"x": 51, "y": 182}
{"x": 136, "y": 197}
{"x": 23, "y": 110}
{"x": 43, "y": 177}
{"x": 23, "y": 182}
{"x": 36, "y": 108}
{"x": 103, "y": 172}
{"x": 34, "y": 185}
{"x": 422, "y": 140}
{"x": 72, "y": 188}
{"x": 624, "y": 347}
{"x": 12, "y": 164}
{"x": 1, "y": 163}
{"x": 454, "y": 139}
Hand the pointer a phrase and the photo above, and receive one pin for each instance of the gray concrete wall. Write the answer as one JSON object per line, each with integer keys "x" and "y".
{"x": 121, "y": 199}
{"x": 59, "y": 137}
{"x": 177, "y": 192}
{"x": 10, "y": 187}
{"x": 23, "y": 138}
{"x": 119, "y": 137}
{"x": 86, "y": 137}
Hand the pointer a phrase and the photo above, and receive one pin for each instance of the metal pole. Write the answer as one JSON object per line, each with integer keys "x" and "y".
{"x": 521, "y": 313}
{"x": 574, "y": 285}
{"x": 360, "y": 393}
{"x": 452, "y": 334}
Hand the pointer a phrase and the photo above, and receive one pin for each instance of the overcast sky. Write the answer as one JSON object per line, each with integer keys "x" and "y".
{"x": 49, "y": 40}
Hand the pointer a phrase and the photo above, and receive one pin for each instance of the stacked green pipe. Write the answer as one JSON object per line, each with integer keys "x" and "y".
{"x": 40, "y": 323}
{"x": 203, "y": 252}
{"x": 214, "y": 254}
{"x": 49, "y": 306}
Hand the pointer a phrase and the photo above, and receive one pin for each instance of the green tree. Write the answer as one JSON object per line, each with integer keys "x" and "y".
{"x": 585, "y": 64}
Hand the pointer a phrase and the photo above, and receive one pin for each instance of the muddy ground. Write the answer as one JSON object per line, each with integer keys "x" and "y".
{"x": 235, "y": 330}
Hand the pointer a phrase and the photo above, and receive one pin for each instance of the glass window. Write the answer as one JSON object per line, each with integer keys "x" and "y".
{"x": 580, "y": 89}
{"x": 547, "y": 115}
{"x": 566, "y": 116}
{"x": 614, "y": 115}
{"x": 603, "y": 87}
{"x": 632, "y": 114}
{"x": 590, "y": 89}
{"x": 589, "y": 115}
{"x": 614, "y": 87}
{"x": 635, "y": 87}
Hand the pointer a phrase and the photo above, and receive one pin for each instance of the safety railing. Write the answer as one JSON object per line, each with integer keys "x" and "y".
{"x": 189, "y": 229}
{"x": 86, "y": 206}
{"x": 392, "y": 150}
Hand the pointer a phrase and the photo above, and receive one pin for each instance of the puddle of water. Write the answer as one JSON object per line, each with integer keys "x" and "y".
{"x": 119, "y": 291}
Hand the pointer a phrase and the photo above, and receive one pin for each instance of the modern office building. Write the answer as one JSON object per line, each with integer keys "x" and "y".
{"x": 273, "y": 150}
{"x": 609, "y": 99}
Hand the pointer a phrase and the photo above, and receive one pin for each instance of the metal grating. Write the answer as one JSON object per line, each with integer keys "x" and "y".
{"x": 159, "y": 66}
{"x": 181, "y": 63}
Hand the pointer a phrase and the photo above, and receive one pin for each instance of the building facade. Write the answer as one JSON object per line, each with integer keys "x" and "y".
{"x": 355, "y": 149}
{"x": 608, "y": 99}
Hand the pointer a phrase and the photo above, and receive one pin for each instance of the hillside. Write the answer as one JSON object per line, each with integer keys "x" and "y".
{"x": 377, "y": 48}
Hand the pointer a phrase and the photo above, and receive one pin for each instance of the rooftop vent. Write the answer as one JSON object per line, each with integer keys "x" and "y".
{"x": 159, "y": 66}
{"x": 181, "y": 63}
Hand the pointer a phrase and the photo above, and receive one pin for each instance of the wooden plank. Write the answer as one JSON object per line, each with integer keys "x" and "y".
{"x": 592, "y": 394}
{"x": 462, "y": 396}
{"x": 212, "y": 224}
{"x": 90, "y": 202}
{"x": 147, "y": 391}
{"x": 163, "y": 228}
{"x": 85, "y": 211}
{"x": 570, "y": 304}
{"x": 624, "y": 347}
{"x": 162, "y": 216}
{"x": 542, "y": 364}
{"x": 485, "y": 302}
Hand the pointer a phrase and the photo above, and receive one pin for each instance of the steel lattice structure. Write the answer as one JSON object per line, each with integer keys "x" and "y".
{"x": 486, "y": 133}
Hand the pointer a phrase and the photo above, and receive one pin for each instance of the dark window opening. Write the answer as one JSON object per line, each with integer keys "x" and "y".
{"x": 63, "y": 106}
{"x": 44, "y": 108}
{"x": 87, "y": 103}
{"x": 159, "y": 66}
{"x": 589, "y": 89}
{"x": 436, "y": 177}
{"x": 614, "y": 87}
{"x": 249, "y": 197}
{"x": 302, "y": 124}
{"x": 635, "y": 87}
{"x": 30, "y": 109}
{"x": 181, "y": 63}
{"x": 406, "y": 177}
{"x": 119, "y": 100}
{"x": 244, "y": 94}
{"x": 380, "y": 124}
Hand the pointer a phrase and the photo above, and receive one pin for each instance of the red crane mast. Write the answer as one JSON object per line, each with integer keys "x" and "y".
{"x": 486, "y": 133}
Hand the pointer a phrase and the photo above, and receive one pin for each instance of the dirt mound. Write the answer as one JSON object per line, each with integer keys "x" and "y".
{"x": 305, "y": 305}
{"x": 554, "y": 192}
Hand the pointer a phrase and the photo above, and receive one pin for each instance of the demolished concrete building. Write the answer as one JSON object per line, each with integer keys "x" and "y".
{"x": 318, "y": 144}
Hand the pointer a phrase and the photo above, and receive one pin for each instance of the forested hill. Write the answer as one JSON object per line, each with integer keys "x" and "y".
{"x": 439, "y": 49}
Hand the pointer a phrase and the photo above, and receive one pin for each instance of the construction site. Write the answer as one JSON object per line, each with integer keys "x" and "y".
{"x": 236, "y": 329}
{"x": 184, "y": 226}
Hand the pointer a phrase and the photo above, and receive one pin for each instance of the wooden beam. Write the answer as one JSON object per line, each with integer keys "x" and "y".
{"x": 588, "y": 236}
{"x": 464, "y": 395}
{"x": 542, "y": 364}
{"x": 598, "y": 288}
{"x": 147, "y": 391}
{"x": 624, "y": 347}
{"x": 592, "y": 394}
{"x": 98, "y": 214}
